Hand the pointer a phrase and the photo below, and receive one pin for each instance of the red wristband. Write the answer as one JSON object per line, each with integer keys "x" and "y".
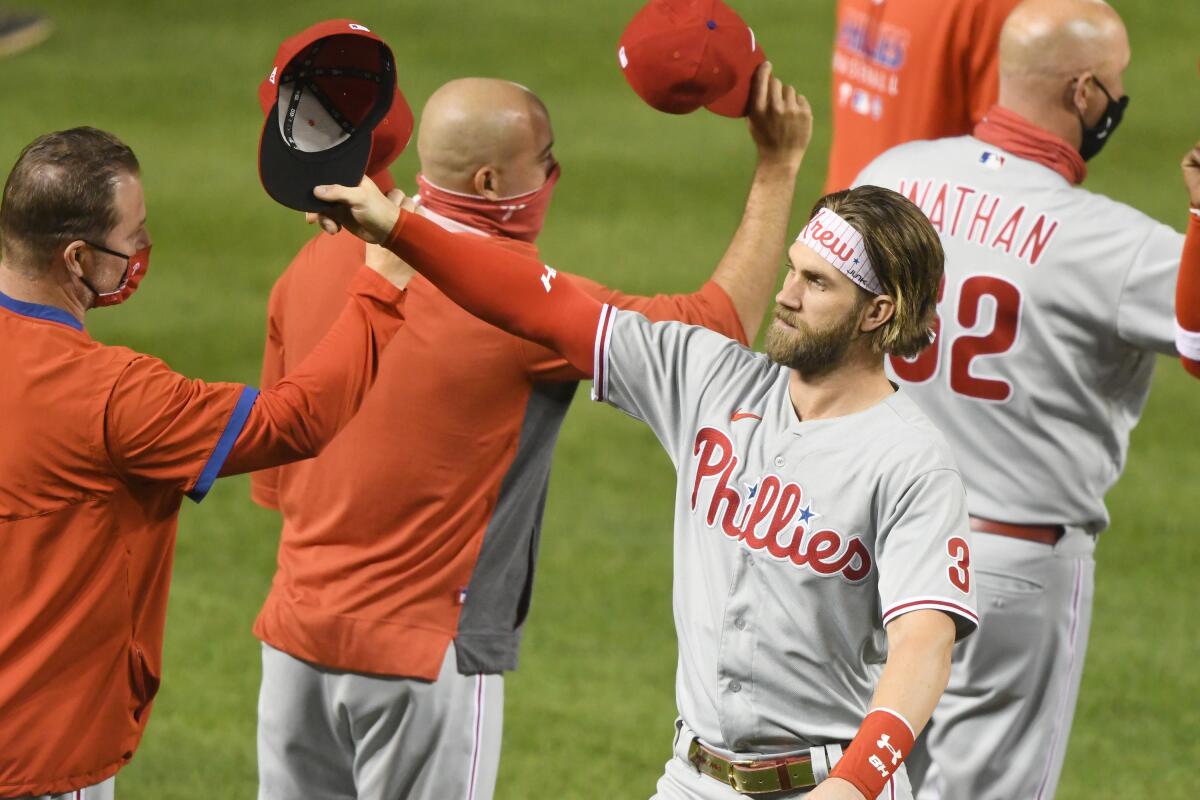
{"x": 879, "y": 747}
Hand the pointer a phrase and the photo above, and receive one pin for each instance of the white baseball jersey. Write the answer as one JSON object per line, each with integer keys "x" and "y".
{"x": 795, "y": 542}
{"x": 1054, "y": 304}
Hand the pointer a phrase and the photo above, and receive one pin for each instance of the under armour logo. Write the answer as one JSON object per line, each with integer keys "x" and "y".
{"x": 550, "y": 274}
{"x": 885, "y": 742}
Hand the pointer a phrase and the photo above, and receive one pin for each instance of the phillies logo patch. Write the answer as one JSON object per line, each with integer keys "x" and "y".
{"x": 772, "y": 508}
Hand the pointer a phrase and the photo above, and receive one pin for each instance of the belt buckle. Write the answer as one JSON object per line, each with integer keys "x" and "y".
{"x": 733, "y": 777}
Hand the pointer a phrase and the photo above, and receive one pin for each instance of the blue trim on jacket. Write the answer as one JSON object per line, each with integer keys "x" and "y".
{"x": 233, "y": 429}
{"x": 39, "y": 311}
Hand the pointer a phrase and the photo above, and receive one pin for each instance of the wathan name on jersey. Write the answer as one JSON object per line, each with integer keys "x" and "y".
{"x": 983, "y": 218}
{"x": 773, "y": 507}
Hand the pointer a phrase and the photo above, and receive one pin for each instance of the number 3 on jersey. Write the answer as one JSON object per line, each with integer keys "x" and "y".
{"x": 959, "y": 571}
{"x": 967, "y": 347}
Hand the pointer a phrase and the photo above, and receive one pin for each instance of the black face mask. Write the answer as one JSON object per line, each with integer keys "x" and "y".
{"x": 1095, "y": 137}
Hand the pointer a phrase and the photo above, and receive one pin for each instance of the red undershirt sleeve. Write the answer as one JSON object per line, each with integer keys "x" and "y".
{"x": 517, "y": 294}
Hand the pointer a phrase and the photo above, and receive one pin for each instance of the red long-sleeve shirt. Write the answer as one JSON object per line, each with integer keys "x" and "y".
{"x": 419, "y": 525}
{"x": 98, "y": 447}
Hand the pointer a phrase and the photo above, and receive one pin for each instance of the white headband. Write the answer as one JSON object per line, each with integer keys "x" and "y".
{"x": 833, "y": 239}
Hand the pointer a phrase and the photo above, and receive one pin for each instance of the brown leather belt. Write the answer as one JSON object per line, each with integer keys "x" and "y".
{"x": 1043, "y": 534}
{"x": 759, "y": 776}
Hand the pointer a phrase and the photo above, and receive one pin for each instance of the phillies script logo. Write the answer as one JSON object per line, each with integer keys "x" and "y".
{"x": 827, "y": 238}
{"x": 773, "y": 508}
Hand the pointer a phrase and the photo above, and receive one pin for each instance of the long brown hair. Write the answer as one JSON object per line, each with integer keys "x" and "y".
{"x": 907, "y": 256}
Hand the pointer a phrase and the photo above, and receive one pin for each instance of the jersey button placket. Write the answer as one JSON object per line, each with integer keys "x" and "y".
{"x": 734, "y": 660}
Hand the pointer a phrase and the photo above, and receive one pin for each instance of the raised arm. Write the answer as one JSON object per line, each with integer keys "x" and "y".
{"x": 164, "y": 428}
{"x": 516, "y": 293}
{"x": 1187, "y": 288}
{"x": 913, "y": 679}
{"x": 780, "y": 123}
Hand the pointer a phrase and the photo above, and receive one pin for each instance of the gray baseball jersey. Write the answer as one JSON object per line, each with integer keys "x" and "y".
{"x": 795, "y": 542}
{"x": 1054, "y": 305}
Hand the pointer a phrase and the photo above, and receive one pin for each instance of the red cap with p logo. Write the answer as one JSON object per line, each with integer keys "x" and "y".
{"x": 679, "y": 55}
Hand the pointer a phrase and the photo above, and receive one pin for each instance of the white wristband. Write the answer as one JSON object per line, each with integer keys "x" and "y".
{"x": 1187, "y": 342}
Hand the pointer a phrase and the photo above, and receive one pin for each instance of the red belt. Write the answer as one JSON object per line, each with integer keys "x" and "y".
{"x": 1043, "y": 534}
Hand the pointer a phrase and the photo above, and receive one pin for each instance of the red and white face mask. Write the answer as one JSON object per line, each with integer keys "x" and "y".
{"x": 519, "y": 217}
{"x": 137, "y": 265}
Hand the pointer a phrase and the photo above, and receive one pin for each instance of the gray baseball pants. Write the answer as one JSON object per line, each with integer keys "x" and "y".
{"x": 326, "y": 734}
{"x": 682, "y": 781}
{"x": 1001, "y": 729}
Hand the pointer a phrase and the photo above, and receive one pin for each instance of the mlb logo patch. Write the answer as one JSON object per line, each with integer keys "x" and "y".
{"x": 991, "y": 160}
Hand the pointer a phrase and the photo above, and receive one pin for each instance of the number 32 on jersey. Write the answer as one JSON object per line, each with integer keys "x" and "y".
{"x": 974, "y": 293}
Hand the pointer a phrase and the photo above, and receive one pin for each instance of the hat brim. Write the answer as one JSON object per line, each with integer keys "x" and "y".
{"x": 289, "y": 175}
{"x": 736, "y": 102}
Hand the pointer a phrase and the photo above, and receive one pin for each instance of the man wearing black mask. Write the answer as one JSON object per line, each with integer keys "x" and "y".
{"x": 1055, "y": 303}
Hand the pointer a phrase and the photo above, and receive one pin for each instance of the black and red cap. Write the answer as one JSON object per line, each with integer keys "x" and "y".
{"x": 333, "y": 113}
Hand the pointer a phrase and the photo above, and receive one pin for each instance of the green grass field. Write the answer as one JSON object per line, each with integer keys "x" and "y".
{"x": 646, "y": 203}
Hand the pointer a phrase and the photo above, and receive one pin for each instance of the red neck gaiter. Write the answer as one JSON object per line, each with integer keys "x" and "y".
{"x": 1015, "y": 134}
{"x": 518, "y": 217}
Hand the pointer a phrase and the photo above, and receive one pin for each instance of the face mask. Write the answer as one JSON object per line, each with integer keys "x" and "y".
{"x": 136, "y": 267}
{"x": 518, "y": 217}
{"x": 1097, "y": 136}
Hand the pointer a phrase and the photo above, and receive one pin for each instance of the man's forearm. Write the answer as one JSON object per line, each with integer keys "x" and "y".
{"x": 913, "y": 679}
{"x": 918, "y": 666}
{"x": 302, "y": 412}
{"x": 511, "y": 291}
{"x": 750, "y": 267}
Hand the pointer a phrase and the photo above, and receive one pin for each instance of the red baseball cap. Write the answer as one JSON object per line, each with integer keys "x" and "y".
{"x": 333, "y": 113}
{"x": 679, "y": 55}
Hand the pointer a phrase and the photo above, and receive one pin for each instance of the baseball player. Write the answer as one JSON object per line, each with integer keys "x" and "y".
{"x": 98, "y": 448}
{"x": 1055, "y": 302}
{"x": 909, "y": 69}
{"x": 408, "y": 547}
{"x": 820, "y": 529}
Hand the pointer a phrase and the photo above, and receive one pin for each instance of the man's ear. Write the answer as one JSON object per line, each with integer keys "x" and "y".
{"x": 487, "y": 183}
{"x": 877, "y": 312}
{"x": 73, "y": 256}
{"x": 1080, "y": 94}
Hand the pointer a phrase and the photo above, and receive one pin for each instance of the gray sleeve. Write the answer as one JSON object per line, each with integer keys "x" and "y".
{"x": 660, "y": 372}
{"x": 924, "y": 552}
{"x": 1146, "y": 308}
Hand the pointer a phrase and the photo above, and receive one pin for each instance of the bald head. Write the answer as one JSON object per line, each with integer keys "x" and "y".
{"x": 1054, "y": 38}
{"x": 1055, "y": 55}
{"x": 484, "y": 136}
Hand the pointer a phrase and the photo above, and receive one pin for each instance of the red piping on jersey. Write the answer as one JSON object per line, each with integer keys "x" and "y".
{"x": 1187, "y": 289}
{"x": 930, "y": 602}
{"x": 1014, "y": 134}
